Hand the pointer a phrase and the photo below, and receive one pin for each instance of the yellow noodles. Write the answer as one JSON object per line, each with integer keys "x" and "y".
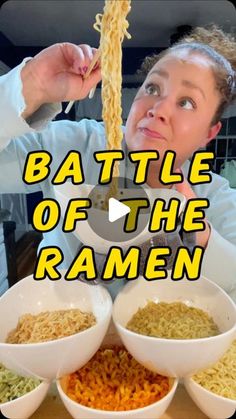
{"x": 113, "y": 380}
{"x": 50, "y": 325}
{"x": 113, "y": 27}
{"x": 221, "y": 377}
{"x": 13, "y": 386}
{"x": 172, "y": 321}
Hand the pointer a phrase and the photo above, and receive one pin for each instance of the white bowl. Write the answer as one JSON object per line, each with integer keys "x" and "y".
{"x": 175, "y": 357}
{"x": 25, "y": 406}
{"x": 213, "y": 405}
{"x": 67, "y": 191}
{"x": 54, "y": 358}
{"x": 152, "y": 411}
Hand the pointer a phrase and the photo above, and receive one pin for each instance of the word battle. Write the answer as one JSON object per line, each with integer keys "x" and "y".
{"x": 117, "y": 265}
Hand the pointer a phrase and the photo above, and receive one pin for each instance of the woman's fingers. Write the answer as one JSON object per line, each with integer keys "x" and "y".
{"x": 185, "y": 188}
{"x": 78, "y": 59}
{"x": 88, "y": 57}
{"x": 82, "y": 56}
{"x": 56, "y": 74}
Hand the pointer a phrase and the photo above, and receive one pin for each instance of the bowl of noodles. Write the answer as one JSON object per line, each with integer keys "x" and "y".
{"x": 214, "y": 389}
{"x": 20, "y": 396}
{"x": 96, "y": 230}
{"x": 175, "y": 328}
{"x": 113, "y": 385}
{"x": 50, "y": 328}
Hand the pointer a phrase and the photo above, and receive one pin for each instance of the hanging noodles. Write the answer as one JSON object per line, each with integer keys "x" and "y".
{"x": 112, "y": 25}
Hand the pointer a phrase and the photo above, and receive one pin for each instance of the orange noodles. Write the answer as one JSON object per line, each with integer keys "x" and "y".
{"x": 112, "y": 380}
{"x": 113, "y": 28}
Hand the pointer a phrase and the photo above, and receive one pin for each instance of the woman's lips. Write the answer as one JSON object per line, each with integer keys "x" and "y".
{"x": 149, "y": 133}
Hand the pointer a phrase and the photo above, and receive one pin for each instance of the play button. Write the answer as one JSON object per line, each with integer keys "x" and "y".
{"x": 112, "y": 216}
{"x": 117, "y": 210}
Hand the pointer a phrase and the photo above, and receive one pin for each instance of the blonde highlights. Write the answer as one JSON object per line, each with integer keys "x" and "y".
{"x": 217, "y": 46}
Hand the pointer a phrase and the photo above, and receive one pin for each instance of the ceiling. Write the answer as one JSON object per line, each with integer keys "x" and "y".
{"x": 44, "y": 22}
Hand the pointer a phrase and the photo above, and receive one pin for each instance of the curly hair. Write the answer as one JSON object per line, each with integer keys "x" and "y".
{"x": 220, "y": 48}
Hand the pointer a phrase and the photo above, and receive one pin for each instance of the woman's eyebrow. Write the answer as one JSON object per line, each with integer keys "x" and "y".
{"x": 161, "y": 73}
{"x": 186, "y": 83}
{"x": 190, "y": 84}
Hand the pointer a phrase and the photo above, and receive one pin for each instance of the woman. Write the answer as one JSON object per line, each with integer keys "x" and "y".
{"x": 177, "y": 108}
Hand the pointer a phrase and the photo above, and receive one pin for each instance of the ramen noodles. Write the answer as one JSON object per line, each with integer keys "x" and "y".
{"x": 112, "y": 25}
{"x": 113, "y": 28}
{"x": 172, "y": 321}
{"x": 221, "y": 377}
{"x": 50, "y": 325}
{"x": 13, "y": 386}
{"x": 113, "y": 380}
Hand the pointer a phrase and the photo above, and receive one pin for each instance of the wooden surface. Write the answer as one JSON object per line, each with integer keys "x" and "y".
{"x": 181, "y": 407}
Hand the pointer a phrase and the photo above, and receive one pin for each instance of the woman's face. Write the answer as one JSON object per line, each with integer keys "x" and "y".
{"x": 174, "y": 107}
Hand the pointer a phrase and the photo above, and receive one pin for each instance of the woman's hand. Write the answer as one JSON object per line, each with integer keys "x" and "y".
{"x": 56, "y": 75}
{"x": 202, "y": 237}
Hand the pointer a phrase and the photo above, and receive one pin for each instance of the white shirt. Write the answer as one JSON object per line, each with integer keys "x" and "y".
{"x": 18, "y": 138}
